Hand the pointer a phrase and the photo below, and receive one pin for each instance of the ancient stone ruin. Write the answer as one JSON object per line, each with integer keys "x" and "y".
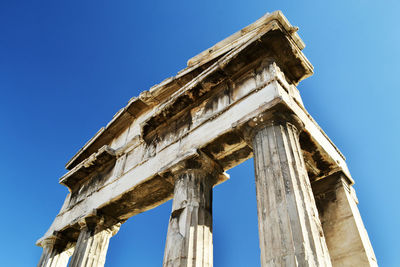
{"x": 234, "y": 101}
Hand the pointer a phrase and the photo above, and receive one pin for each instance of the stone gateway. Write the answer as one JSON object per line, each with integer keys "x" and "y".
{"x": 234, "y": 101}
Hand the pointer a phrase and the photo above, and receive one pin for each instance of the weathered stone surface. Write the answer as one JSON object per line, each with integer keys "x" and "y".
{"x": 144, "y": 162}
{"x": 206, "y": 111}
{"x": 289, "y": 227}
{"x": 346, "y": 237}
{"x": 84, "y": 170}
{"x": 56, "y": 252}
{"x": 91, "y": 247}
{"x": 189, "y": 239}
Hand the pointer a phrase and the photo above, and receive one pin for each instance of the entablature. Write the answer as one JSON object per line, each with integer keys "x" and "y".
{"x": 272, "y": 32}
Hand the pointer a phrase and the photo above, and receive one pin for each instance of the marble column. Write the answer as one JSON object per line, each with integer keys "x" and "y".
{"x": 290, "y": 231}
{"x": 91, "y": 247}
{"x": 189, "y": 239}
{"x": 56, "y": 253}
{"x": 345, "y": 234}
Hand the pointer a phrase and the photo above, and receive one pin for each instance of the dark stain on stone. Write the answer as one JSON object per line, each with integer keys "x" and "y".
{"x": 177, "y": 213}
{"x": 324, "y": 191}
{"x": 218, "y": 145}
{"x": 184, "y": 121}
{"x": 193, "y": 164}
{"x": 236, "y": 158}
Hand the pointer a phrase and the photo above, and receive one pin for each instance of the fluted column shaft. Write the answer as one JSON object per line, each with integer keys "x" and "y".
{"x": 54, "y": 254}
{"x": 91, "y": 247}
{"x": 289, "y": 227}
{"x": 46, "y": 255}
{"x": 189, "y": 238}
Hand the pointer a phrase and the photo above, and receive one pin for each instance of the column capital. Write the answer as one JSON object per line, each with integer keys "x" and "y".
{"x": 54, "y": 251}
{"x": 48, "y": 242}
{"x": 91, "y": 247}
{"x": 98, "y": 222}
{"x": 201, "y": 164}
{"x": 280, "y": 115}
{"x": 113, "y": 230}
{"x": 56, "y": 239}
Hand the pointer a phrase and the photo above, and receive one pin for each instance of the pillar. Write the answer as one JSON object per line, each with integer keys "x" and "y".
{"x": 345, "y": 234}
{"x": 290, "y": 231}
{"x": 189, "y": 238}
{"x": 56, "y": 253}
{"x": 91, "y": 247}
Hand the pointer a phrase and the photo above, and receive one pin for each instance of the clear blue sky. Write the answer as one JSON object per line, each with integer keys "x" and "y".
{"x": 67, "y": 66}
